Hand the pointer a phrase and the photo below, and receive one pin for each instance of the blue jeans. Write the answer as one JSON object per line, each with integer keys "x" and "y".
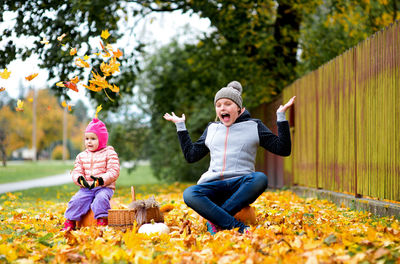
{"x": 219, "y": 201}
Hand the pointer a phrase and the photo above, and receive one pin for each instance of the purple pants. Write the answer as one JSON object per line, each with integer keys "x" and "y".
{"x": 97, "y": 199}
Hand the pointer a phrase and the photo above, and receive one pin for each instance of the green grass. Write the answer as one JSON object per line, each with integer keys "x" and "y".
{"x": 141, "y": 178}
{"x": 27, "y": 170}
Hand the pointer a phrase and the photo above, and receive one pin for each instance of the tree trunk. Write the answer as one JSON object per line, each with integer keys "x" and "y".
{"x": 3, "y": 154}
{"x": 286, "y": 34}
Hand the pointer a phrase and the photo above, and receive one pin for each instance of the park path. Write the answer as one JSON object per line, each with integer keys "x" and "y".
{"x": 40, "y": 182}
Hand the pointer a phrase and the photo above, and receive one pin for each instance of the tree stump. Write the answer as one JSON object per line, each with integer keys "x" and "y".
{"x": 88, "y": 219}
{"x": 247, "y": 215}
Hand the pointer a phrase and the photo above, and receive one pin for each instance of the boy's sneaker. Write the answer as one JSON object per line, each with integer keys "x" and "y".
{"x": 68, "y": 225}
{"x": 102, "y": 221}
{"x": 211, "y": 228}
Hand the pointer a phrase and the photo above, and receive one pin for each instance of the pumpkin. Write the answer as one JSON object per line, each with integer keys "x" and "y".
{"x": 153, "y": 228}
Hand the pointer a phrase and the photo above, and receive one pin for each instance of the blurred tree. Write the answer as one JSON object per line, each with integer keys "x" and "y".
{"x": 14, "y": 131}
{"x": 16, "y": 127}
{"x": 181, "y": 79}
{"x": 129, "y": 139}
{"x": 339, "y": 26}
{"x": 80, "y": 111}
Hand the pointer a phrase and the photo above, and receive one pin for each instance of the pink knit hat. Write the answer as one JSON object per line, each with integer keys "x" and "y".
{"x": 99, "y": 128}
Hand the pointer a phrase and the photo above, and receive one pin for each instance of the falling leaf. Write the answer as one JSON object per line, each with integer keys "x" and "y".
{"x": 31, "y": 77}
{"x": 75, "y": 79}
{"x": 20, "y": 106}
{"x": 105, "y": 34}
{"x": 86, "y": 57}
{"x": 114, "y": 88}
{"x": 73, "y": 51}
{"x": 117, "y": 53}
{"x": 60, "y": 84}
{"x": 60, "y": 38}
{"x": 44, "y": 41}
{"x": 102, "y": 46}
{"x": 109, "y": 47}
{"x": 71, "y": 86}
{"x": 30, "y": 99}
{"x": 81, "y": 63}
{"x": 92, "y": 87}
{"x": 48, "y": 108}
{"x": 111, "y": 67}
{"x": 5, "y": 74}
{"x": 65, "y": 105}
{"x": 99, "y": 80}
{"x": 106, "y": 53}
{"x": 2, "y": 89}
{"x": 98, "y": 109}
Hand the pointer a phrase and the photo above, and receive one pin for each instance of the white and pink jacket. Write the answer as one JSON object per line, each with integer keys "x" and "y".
{"x": 102, "y": 163}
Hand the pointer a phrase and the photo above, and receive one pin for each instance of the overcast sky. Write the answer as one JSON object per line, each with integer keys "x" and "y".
{"x": 158, "y": 29}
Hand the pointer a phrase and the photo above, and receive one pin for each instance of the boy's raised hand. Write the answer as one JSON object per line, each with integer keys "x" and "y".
{"x": 174, "y": 118}
{"x": 283, "y": 108}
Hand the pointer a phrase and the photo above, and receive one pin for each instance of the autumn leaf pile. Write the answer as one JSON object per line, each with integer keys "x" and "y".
{"x": 289, "y": 229}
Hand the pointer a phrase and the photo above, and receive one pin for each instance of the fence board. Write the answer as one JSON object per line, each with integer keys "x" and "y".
{"x": 346, "y": 136}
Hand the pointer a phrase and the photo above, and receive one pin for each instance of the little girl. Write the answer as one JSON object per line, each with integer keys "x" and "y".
{"x": 96, "y": 170}
{"x": 231, "y": 182}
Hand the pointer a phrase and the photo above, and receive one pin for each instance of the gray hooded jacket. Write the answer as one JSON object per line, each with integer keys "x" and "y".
{"x": 233, "y": 149}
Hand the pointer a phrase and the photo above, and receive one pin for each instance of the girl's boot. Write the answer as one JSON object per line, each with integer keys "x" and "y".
{"x": 102, "y": 221}
{"x": 68, "y": 225}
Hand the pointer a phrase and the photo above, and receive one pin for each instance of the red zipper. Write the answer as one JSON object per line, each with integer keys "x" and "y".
{"x": 226, "y": 146}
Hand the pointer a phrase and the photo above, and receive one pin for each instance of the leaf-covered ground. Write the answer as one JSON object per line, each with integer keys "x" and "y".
{"x": 289, "y": 229}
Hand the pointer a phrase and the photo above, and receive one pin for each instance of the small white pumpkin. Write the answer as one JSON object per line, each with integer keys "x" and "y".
{"x": 154, "y": 228}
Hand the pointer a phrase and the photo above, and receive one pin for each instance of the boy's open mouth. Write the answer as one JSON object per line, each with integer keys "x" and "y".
{"x": 225, "y": 117}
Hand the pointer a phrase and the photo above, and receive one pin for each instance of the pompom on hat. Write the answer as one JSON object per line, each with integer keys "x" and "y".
{"x": 100, "y": 129}
{"x": 233, "y": 91}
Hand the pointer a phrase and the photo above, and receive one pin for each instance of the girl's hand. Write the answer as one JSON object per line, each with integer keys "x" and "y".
{"x": 283, "y": 108}
{"x": 174, "y": 118}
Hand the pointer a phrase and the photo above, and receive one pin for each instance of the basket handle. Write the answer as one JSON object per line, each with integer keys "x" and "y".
{"x": 133, "y": 194}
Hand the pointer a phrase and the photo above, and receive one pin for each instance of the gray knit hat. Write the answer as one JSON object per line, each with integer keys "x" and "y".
{"x": 233, "y": 91}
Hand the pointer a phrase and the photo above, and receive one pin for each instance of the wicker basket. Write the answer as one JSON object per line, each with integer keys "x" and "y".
{"x": 123, "y": 219}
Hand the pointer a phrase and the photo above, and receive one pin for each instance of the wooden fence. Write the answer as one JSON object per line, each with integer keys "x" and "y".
{"x": 346, "y": 132}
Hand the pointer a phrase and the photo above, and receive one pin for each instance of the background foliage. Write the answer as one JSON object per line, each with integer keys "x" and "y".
{"x": 263, "y": 44}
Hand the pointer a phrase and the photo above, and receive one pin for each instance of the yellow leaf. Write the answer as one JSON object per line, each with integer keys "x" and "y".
{"x": 20, "y": 106}
{"x": 86, "y": 57}
{"x": 117, "y": 53}
{"x": 5, "y": 74}
{"x": 60, "y": 38}
{"x": 44, "y": 41}
{"x": 98, "y": 109}
{"x": 31, "y": 77}
{"x": 75, "y": 79}
{"x": 81, "y": 63}
{"x": 105, "y": 34}
{"x": 73, "y": 51}
{"x": 60, "y": 84}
